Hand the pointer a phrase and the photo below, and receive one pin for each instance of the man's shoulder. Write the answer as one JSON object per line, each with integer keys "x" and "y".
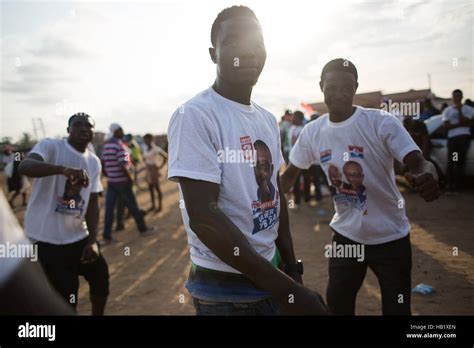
{"x": 200, "y": 103}
{"x": 51, "y": 141}
{"x": 317, "y": 124}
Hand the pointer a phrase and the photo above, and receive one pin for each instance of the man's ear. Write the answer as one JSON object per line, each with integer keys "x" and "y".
{"x": 67, "y": 129}
{"x": 321, "y": 84}
{"x": 356, "y": 86}
{"x": 212, "y": 53}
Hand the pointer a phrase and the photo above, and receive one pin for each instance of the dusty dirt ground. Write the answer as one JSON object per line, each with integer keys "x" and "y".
{"x": 150, "y": 280}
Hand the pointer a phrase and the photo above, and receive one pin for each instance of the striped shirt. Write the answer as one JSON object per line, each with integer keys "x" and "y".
{"x": 114, "y": 158}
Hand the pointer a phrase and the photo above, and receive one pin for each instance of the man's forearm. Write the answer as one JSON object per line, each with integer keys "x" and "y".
{"x": 92, "y": 221}
{"x": 284, "y": 242}
{"x": 39, "y": 169}
{"x": 228, "y": 243}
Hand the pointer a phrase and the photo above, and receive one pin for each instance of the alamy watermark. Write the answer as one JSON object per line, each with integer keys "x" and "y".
{"x": 405, "y": 109}
{"x": 13, "y": 250}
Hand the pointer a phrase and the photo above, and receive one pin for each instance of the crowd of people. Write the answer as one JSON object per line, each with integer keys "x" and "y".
{"x": 62, "y": 215}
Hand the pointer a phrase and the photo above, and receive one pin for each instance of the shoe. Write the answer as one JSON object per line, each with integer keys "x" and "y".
{"x": 149, "y": 231}
{"x": 106, "y": 241}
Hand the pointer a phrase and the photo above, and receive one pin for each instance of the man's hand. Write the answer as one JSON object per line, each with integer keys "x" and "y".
{"x": 90, "y": 253}
{"x": 303, "y": 302}
{"x": 425, "y": 183}
{"x": 77, "y": 176}
{"x": 422, "y": 176}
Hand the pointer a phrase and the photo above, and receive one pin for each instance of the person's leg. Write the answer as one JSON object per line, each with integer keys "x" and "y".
{"x": 152, "y": 196}
{"x": 450, "y": 165}
{"x": 307, "y": 185}
{"x": 346, "y": 276}
{"x": 296, "y": 190}
{"x": 97, "y": 275}
{"x": 160, "y": 196}
{"x": 462, "y": 147}
{"x": 316, "y": 182}
{"x": 12, "y": 198}
{"x": 110, "y": 200}
{"x": 23, "y": 195}
{"x": 61, "y": 266}
{"x": 391, "y": 263}
{"x": 119, "y": 226}
{"x": 128, "y": 197}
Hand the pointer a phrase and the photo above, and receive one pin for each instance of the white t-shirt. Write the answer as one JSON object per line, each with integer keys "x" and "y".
{"x": 215, "y": 139}
{"x": 56, "y": 210}
{"x": 293, "y": 135}
{"x": 369, "y": 208}
{"x": 451, "y": 114}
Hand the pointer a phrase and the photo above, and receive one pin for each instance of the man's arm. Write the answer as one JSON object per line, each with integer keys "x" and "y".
{"x": 223, "y": 238}
{"x": 34, "y": 166}
{"x": 284, "y": 242}
{"x": 90, "y": 252}
{"x": 422, "y": 176}
{"x": 289, "y": 177}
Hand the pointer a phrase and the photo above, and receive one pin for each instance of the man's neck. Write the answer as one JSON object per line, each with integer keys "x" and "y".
{"x": 78, "y": 147}
{"x": 240, "y": 95}
{"x": 341, "y": 115}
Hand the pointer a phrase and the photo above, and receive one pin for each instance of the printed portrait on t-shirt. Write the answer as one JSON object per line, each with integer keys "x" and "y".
{"x": 335, "y": 178}
{"x": 348, "y": 190}
{"x": 71, "y": 203}
{"x": 265, "y": 207}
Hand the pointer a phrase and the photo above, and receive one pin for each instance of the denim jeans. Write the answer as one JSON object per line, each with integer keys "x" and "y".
{"x": 124, "y": 191}
{"x": 263, "y": 307}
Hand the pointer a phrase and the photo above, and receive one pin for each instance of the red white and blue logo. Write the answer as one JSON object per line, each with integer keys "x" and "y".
{"x": 325, "y": 156}
{"x": 356, "y": 151}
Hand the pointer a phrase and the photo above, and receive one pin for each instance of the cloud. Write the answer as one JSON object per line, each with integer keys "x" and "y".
{"x": 56, "y": 47}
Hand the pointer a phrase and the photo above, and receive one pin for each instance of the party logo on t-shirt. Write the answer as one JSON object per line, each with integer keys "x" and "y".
{"x": 71, "y": 202}
{"x": 356, "y": 151}
{"x": 325, "y": 156}
{"x": 247, "y": 148}
{"x": 265, "y": 207}
{"x": 348, "y": 191}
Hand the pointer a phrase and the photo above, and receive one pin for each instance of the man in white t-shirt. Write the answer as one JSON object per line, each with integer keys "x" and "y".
{"x": 225, "y": 152}
{"x": 458, "y": 120}
{"x": 63, "y": 212}
{"x": 356, "y": 148}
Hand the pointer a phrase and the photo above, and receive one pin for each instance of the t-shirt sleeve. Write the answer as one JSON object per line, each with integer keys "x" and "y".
{"x": 445, "y": 115}
{"x": 193, "y": 146}
{"x": 302, "y": 154}
{"x": 396, "y": 139}
{"x": 45, "y": 148}
{"x": 95, "y": 180}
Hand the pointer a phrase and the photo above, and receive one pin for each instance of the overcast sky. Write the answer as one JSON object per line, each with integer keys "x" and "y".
{"x": 136, "y": 62}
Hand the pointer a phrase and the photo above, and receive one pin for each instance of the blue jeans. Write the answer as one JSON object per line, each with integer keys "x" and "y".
{"x": 263, "y": 307}
{"x": 124, "y": 191}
